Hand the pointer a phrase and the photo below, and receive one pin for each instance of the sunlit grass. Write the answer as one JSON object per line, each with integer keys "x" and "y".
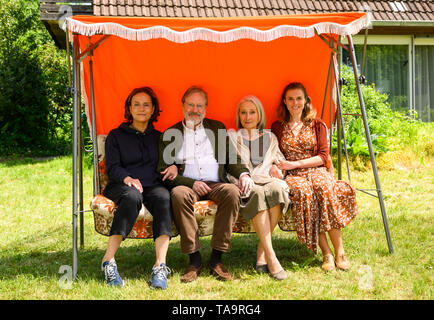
{"x": 36, "y": 241}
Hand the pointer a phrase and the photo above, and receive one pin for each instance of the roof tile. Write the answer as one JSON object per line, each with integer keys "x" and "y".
{"x": 121, "y": 10}
{"x": 324, "y": 5}
{"x": 129, "y": 10}
{"x": 244, "y": 4}
{"x": 281, "y": 4}
{"x": 260, "y": 4}
{"x": 376, "y": 15}
{"x": 153, "y": 13}
{"x": 332, "y": 5}
{"x": 239, "y": 11}
{"x": 310, "y": 5}
{"x": 267, "y": 4}
{"x": 105, "y": 11}
{"x": 380, "y": 9}
{"x": 113, "y": 10}
{"x": 230, "y": 3}
{"x": 237, "y": 4}
{"x": 424, "y": 16}
{"x": 418, "y": 6}
{"x": 209, "y": 12}
{"x": 232, "y": 12}
{"x": 303, "y": 5}
{"x": 185, "y": 12}
{"x": 225, "y": 12}
{"x": 247, "y": 12}
{"x": 162, "y": 11}
{"x": 295, "y": 5}
{"x": 216, "y": 12}
{"x": 146, "y": 11}
{"x": 201, "y": 12}
{"x": 170, "y": 12}
{"x": 193, "y": 12}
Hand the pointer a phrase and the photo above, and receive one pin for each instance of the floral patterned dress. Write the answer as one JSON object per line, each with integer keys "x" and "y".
{"x": 319, "y": 202}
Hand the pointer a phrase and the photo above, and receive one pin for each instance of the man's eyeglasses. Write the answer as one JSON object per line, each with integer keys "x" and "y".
{"x": 192, "y": 105}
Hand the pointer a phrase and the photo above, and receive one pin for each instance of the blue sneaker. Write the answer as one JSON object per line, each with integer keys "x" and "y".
{"x": 111, "y": 273}
{"x": 159, "y": 277}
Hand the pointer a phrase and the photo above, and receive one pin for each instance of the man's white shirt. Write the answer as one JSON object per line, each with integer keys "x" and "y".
{"x": 197, "y": 153}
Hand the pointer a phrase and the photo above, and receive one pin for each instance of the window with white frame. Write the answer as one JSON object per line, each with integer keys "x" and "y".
{"x": 424, "y": 80}
{"x": 387, "y": 66}
{"x": 407, "y": 77}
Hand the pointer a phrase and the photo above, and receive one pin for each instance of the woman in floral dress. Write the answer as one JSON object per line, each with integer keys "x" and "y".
{"x": 320, "y": 204}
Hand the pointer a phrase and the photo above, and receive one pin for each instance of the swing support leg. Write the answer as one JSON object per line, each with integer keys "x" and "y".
{"x": 75, "y": 121}
{"x": 369, "y": 141}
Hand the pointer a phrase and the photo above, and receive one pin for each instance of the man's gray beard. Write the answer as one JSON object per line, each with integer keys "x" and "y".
{"x": 192, "y": 123}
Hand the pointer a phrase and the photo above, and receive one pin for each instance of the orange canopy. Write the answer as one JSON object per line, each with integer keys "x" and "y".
{"x": 229, "y": 57}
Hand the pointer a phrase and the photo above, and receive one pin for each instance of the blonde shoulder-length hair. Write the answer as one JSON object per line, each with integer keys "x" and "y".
{"x": 262, "y": 122}
{"x": 308, "y": 114}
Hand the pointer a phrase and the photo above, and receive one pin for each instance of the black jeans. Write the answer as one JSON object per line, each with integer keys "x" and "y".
{"x": 129, "y": 201}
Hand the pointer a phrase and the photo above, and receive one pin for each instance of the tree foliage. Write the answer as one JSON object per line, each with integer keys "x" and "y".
{"x": 35, "y": 106}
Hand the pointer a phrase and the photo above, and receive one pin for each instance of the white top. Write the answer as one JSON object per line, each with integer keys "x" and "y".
{"x": 197, "y": 153}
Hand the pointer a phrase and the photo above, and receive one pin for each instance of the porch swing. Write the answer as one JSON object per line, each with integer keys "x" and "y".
{"x": 229, "y": 57}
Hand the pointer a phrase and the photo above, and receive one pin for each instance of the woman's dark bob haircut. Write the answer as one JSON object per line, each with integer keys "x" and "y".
{"x": 154, "y": 101}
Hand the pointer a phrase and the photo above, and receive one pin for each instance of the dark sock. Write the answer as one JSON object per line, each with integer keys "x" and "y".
{"x": 216, "y": 257}
{"x": 195, "y": 259}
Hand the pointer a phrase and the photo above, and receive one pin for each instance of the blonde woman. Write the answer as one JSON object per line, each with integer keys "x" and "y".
{"x": 259, "y": 150}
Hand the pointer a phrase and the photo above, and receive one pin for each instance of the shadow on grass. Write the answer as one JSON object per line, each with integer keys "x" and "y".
{"x": 136, "y": 261}
{"x": 12, "y": 161}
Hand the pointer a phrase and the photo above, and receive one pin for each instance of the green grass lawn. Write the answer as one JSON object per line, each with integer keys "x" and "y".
{"x": 36, "y": 243}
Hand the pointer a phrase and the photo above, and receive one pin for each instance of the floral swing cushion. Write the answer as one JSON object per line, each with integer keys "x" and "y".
{"x": 104, "y": 210}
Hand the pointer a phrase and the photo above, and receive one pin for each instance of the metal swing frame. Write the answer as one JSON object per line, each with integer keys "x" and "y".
{"x": 78, "y": 144}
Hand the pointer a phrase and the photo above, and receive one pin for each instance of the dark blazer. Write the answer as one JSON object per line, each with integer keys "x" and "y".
{"x": 230, "y": 162}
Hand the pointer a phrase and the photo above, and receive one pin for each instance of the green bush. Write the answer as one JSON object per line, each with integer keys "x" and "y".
{"x": 390, "y": 130}
{"x": 35, "y": 107}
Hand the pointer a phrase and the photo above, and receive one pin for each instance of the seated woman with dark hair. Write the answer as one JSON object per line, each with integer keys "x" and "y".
{"x": 320, "y": 203}
{"x": 131, "y": 159}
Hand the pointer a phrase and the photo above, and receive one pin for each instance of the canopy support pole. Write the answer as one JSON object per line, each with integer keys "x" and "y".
{"x": 326, "y": 88}
{"x": 80, "y": 156}
{"x": 340, "y": 126}
{"x": 91, "y": 47}
{"x": 368, "y": 139}
{"x": 332, "y": 72}
{"x": 94, "y": 133}
{"x": 74, "y": 162}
